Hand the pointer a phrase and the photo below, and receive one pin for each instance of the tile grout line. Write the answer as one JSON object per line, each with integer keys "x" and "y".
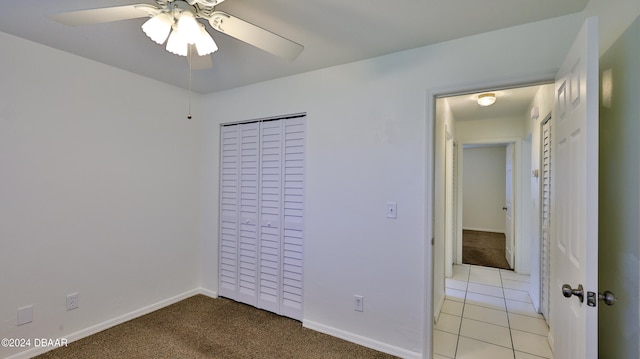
{"x": 506, "y": 309}
{"x": 464, "y": 304}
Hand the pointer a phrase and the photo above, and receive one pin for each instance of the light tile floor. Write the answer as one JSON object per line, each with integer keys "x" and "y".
{"x": 487, "y": 313}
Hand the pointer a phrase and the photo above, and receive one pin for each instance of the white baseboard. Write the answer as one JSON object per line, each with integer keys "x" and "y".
{"x": 367, "y": 342}
{"x": 364, "y": 341}
{"x": 437, "y": 308}
{"x": 208, "y": 293}
{"x": 115, "y": 321}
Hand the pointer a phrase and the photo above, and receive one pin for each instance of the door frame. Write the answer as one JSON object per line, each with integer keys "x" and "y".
{"x": 515, "y": 192}
{"x": 431, "y": 95}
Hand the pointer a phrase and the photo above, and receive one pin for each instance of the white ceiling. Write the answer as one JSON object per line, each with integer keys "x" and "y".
{"x": 513, "y": 102}
{"x": 333, "y": 32}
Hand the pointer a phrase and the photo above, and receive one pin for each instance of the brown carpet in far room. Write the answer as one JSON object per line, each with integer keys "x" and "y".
{"x": 484, "y": 249}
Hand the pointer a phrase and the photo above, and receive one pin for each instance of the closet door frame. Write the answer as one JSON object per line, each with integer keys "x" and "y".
{"x": 261, "y": 251}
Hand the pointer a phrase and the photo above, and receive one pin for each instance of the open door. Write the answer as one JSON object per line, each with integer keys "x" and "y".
{"x": 508, "y": 207}
{"x": 449, "y": 205}
{"x": 574, "y": 259}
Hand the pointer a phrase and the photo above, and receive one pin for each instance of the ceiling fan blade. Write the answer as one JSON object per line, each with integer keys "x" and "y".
{"x": 255, "y": 35}
{"x": 198, "y": 62}
{"x": 101, "y": 15}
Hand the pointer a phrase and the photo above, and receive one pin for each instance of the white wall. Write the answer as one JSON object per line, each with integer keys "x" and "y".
{"x": 492, "y": 130}
{"x": 443, "y": 120}
{"x": 484, "y": 188}
{"x": 619, "y": 327}
{"x": 619, "y": 198}
{"x": 368, "y": 143}
{"x": 99, "y": 182}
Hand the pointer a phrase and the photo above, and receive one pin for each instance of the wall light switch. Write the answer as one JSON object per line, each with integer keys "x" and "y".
{"x": 392, "y": 208}
{"x": 358, "y": 303}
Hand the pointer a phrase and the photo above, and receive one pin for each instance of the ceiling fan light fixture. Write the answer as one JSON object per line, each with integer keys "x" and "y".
{"x": 486, "y": 99}
{"x": 205, "y": 44}
{"x": 188, "y": 27}
{"x": 158, "y": 27}
{"x": 177, "y": 44}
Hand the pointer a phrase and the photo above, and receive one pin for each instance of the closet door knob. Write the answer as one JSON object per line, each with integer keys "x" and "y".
{"x": 567, "y": 291}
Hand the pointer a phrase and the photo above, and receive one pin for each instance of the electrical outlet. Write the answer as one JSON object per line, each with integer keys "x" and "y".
{"x": 73, "y": 301}
{"x": 358, "y": 303}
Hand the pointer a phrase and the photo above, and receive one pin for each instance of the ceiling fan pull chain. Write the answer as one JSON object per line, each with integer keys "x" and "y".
{"x": 189, "y": 54}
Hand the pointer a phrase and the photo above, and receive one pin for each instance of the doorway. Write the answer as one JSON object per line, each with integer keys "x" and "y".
{"x": 488, "y": 203}
{"x": 463, "y": 127}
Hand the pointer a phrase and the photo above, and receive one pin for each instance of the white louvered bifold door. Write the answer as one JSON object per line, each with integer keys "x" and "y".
{"x": 248, "y": 247}
{"x": 294, "y": 173}
{"x": 270, "y": 281}
{"x": 265, "y": 239}
{"x": 229, "y": 226}
{"x": 546, "y": 220}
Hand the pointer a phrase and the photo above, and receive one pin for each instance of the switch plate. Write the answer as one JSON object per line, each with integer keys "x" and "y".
{"x": 25, "y": 315}
{"x": 358, "y": 303}
{"x": 392, "y": 208}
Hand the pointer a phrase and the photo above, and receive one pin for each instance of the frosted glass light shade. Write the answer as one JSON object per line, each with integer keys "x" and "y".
{"x": 177, "y": 44}
{"x": 205, "y": 44}
{"x": 188, "y": 27}
{"x": 158, "y": 27}
{"x": 486, "y": 99}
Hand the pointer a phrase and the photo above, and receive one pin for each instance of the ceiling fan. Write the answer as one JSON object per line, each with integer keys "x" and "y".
{"x": 175, "y": 22}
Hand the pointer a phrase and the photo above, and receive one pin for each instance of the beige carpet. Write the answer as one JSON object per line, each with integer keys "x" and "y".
{"x": 202, "y": 327}
{"x": 484, "y": 249}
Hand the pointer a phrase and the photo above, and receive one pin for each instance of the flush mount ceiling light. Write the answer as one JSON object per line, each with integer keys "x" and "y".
{"x": 486, "y": 99}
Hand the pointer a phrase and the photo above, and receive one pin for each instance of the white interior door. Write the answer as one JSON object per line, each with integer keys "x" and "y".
{"x": 449, "y": 206}
{"x": 508, "y": 227}
{"x": 574, "y": 323}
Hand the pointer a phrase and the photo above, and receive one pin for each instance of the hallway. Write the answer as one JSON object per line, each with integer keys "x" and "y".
{"x": 487, "y": 313}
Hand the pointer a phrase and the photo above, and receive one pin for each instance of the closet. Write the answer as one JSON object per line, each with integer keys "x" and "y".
{"x": 262, "y": 177}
